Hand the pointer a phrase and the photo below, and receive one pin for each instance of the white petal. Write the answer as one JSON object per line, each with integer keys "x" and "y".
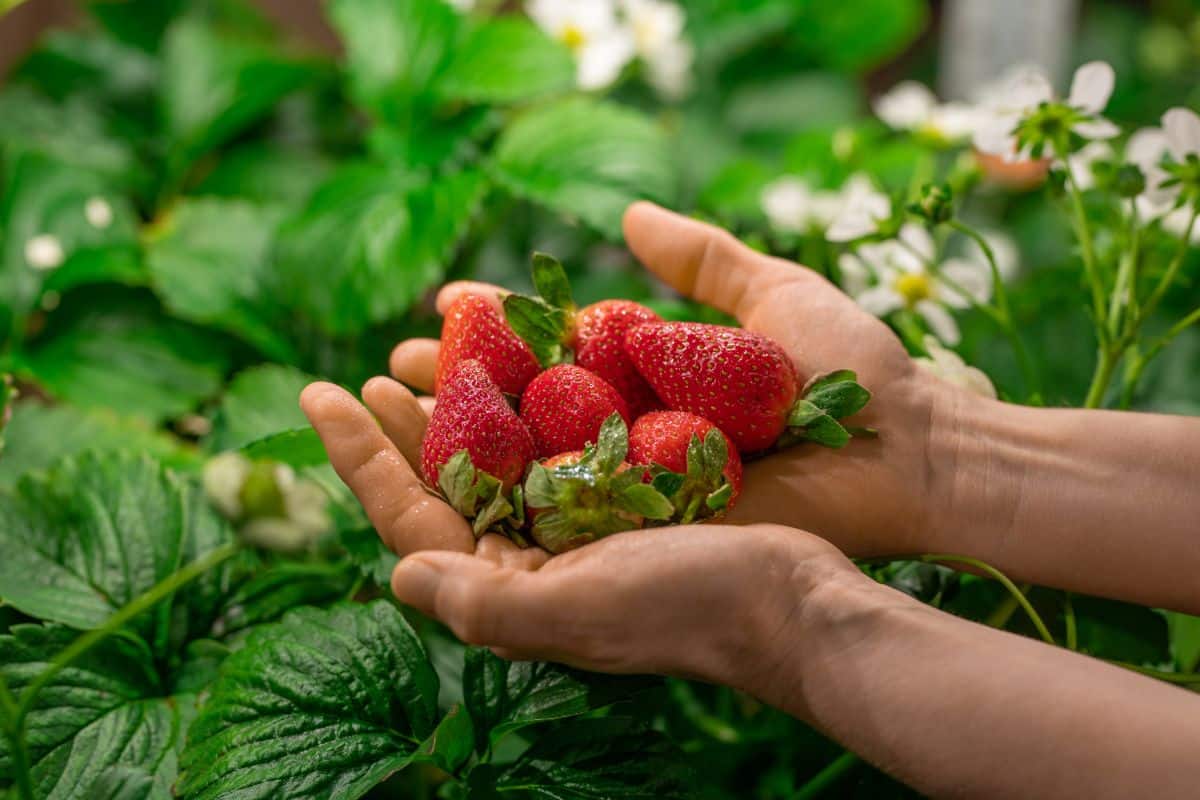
{"x": 656, "y": 24}
{"x": 1182, "y": 128}
{"x": 918, "y": 238}
{"x": 787, "y": 202}
{"x": 1091, "y": 87}
{"x": 977, "y": 381}
{"x": 880, "y": 300}
{"x": 1146, "y": 147}
{"x": 994, "y": 135}
{"x": 939, "y": 321}
{"x": 601, "y": 60}
{"x": 669, "y": 70}
{"x": 973, "y": 277}
{"x": 848, "y": 227}
{"x": 1027, "y": 88}
{"x": 1176, "y": 223}
{"x": 955, "y": 121}
{"x": 1098, "y": 128}
{"x": 98, "y": 212}
{"x": 222, "y": 478}
{"x": 906, "y": 106}
{"x": 854, "y": 273}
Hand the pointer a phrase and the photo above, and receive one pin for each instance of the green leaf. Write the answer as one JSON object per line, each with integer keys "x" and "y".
{"x": 297, "y": 448}
{"x": 257, "y": 403}
{"x": 1184, "y": 631}
{"x": 505, "y": 60}
{"x": 451, "y": 743}
{"x": 668, "y": 483}
{"x": 369, "y": 553}
{"x": 279, "y": 588}
{"x": 827, "y": 431}
{"x": 88, "y": 537}
{"x": 97, "y": 720}
{"x": 139, "y": 22}
{"x": 34, "y": 438}
{"x": 42, "y": 197}
{"x": 323, "y": 704}
{"x": 137, "y": 361}
{"x": 803, "y": 413}
{"x": 8, "y": 396}
{"x": 612, "y": 445}
{"x": 496, "y": 509}
{"x": 504, "y": 696}
{"x": 271, "y": 174}
{"x": 716, "y": 454}
{"x": 371, "y": 242}
{"x": 719, "y": 499}
{"x": 542, "y": 326}
{"x": 1111, "y": 629}
{"x": 539, "y": 488}
{"x": 394, "y": 50}
{"x": 644, "y": 499}
{"x": 839, "y": 399}
{"x": 597, "y": 758}
{"x": 207, "y": 261}
{"x": 586, "y": 158}
{"x": 856, "y": 35}
{"x": 215, "y": 85}
{"x": 550, "y": 281}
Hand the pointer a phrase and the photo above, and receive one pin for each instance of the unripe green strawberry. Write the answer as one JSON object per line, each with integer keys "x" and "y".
{"x": 744, "y": 383}
{"x": 473, "y": 329}
{"x": 692, "y": 463}
{"x": 564, "y": 408}
{"x": 476, "y": 448}
{"x": 600, "y": 347}
{"x": 577, "y": 497}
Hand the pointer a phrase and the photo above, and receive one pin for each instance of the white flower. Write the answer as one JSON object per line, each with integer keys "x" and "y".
{"x": 792, "y": 206}
{"x": 861, "y": 207}
{"x": 223, "y": 477}
{"x": 657, "y": 30}
{"x": 1080, "y": 164}
{"x": 911, "y": 106}
{"x": 590, "y": 29}
{"x": 292, "y": 510}
{"x": 670, "y": 71}
{"x": 949, "y": 366}
{"x": 44, "y": 252}
{"x": 98, "y": 212}
{"x": 1022, "y": 118}
{"x": 904, "y": 279}
{"x": 1168, "y": 154}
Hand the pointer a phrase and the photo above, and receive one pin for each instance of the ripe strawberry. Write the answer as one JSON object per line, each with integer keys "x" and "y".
{"x": 474, "y": 329}
{"x": 577, "y": 497}
{"x": 692, "y": 462}
{"x": 564, "y": 408}
{"x": 476, "y": 448}
{"x": 600, "y": 347}
{"x": 744, "y": 383}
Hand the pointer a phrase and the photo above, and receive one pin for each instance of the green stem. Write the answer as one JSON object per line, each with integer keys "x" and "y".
{"x": 139, "y": 605}
{"x": 1124, "y": 294}
{"x": 1003, "y": 612}
{"x": 19, "y": 752}
{"x": 1091, "y": 270}
{"x": 1106, "y": 362}
{"x": 827, "y": 777}
{"x": 992, "y": 572}
{"x": 1168, "y": 277}
{"x": 1069, "y": 621}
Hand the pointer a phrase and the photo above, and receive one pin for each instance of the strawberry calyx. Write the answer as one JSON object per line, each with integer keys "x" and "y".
{"x": 546, "y": 322}
{"x": 480, "y": 496}
{"x": 824, "y": 401}
{"x": 703, "y": 491}
{"x": 592, "y": 496}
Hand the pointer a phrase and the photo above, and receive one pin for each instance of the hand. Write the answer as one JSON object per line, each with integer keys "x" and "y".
{"x": 874, "y": 497}
{"x": 698, "y": 601}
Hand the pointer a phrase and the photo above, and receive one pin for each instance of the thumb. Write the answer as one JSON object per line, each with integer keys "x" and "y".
{"x": 703, "y": 261}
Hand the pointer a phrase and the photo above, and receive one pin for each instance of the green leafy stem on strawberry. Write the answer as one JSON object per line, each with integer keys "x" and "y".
{"x": 825, "y": 401}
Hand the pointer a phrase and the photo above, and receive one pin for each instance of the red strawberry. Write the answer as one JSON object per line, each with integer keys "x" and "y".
{"x": 744, "y": 383}
{"x": 702, "y": 472}
{"x": 564, "y": 408}
{"x": 476, "y": 448}
{"x": 474, "y": 329}
{"x": 600, "y": 347}
{"x": 577, "y": 497}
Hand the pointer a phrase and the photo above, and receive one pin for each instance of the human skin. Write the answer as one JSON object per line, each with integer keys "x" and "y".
{"x": 1094, "y": 502}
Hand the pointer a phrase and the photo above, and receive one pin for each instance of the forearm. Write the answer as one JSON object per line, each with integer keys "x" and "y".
{"x": 1098, "y": 502}
{"x": 956, "y": 709}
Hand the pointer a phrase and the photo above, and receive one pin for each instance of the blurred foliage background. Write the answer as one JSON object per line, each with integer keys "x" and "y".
{"x": 229, "y": 206}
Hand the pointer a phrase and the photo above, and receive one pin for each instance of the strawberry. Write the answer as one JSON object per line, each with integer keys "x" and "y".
{"x": 577, "y": 497}
{"x": 564, "y": 408}
{"x": 474, "y": 329}
{"x": 476, "y": 448}
{"x": 600, "y": 347}
{"x": 692, "y": 462}
{"x": 744, "y": 383}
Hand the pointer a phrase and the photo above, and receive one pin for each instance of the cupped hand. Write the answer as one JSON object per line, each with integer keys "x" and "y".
{"x": 874, "y": 497}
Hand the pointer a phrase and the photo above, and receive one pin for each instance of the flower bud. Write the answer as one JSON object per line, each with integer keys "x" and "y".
{"x": 272, "y": 506}
{"x": 1129, "y": 181}
{"x": 935, "y": 205}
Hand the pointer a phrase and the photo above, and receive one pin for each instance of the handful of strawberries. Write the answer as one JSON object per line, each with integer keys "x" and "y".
{"x": 566, "y": 425}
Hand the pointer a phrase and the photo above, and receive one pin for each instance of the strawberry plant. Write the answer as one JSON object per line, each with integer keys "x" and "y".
{"x": 202, "y": 212}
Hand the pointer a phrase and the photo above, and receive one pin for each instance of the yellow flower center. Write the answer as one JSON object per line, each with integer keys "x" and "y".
{"x": 572, "y": 37}
{"x": 913, "y": 287}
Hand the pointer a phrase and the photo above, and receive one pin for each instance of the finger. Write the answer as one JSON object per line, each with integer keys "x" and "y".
{"x": 704, "y": 262}
{"x": 452, "y": 291}
{"x": 427, "y": 403}
{"x": 414, "y": 362}
{"x": 487, "y": 604}
{"x": 407, "y": 517}
{"x": 400, "y": 416}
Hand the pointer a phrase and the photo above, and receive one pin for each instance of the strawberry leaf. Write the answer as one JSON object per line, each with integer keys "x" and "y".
{"x": 803, "y": 413}
{"x": 839, "y": 399}
{"x": 644, "y": 499}
{"x": 493, "y": 512}
{"x": 612, "y": 445}
{"x": 719, "y": 500}
{"x": 668, "y": 483}
{"x": 539, "y": 488}
{"x": 550, "y": 280}
{"x": 716, "y": 454}
{"x": 542, "y": 326}
{"x": 456, "y": 479}
{"x": 827, "y": 431}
